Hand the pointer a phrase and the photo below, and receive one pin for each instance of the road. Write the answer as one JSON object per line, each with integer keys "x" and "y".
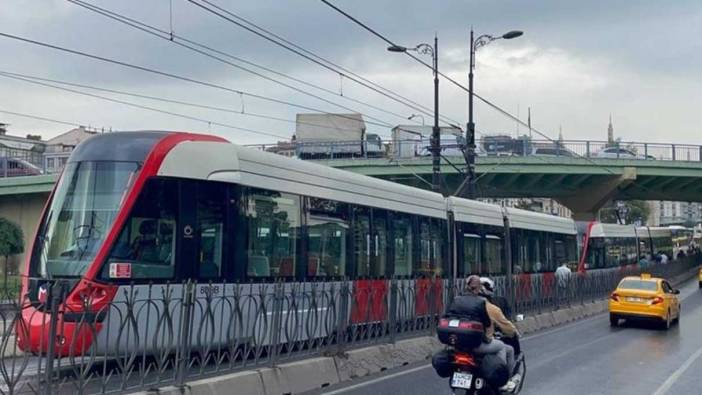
{"x": 585, "y": 357}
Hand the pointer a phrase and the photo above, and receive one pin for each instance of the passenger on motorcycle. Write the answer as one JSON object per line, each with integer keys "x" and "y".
{"x": 473, "y": 306}
{"x": 510, "y": 334}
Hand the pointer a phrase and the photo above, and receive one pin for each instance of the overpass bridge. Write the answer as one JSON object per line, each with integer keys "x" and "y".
{"x": 583, "y": 185}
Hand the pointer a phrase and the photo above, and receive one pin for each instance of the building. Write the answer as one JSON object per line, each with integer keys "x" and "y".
{"x": 59, "y": 148}
{"x": 679, "y": 213}
{"x": 610, "y": 131}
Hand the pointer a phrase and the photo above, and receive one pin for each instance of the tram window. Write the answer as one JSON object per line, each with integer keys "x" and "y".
{"x": 471, "y": 254}
{"x": 210, "y": 226}
{"x": 327, "y": 230}
{"x": 379, "y": 244}
{"x": 493, "y": 254}
{"x": 438, "y": 245}
{"x": 273, "y": 221}
{"x": 362, "y": 241}
{"x": 423, "y": 267}
{"x": 402, "y": 235}
{"x": 145, "y": 245}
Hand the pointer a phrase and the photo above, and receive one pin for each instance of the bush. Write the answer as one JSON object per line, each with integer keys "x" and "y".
{"x": 11, "y": 242}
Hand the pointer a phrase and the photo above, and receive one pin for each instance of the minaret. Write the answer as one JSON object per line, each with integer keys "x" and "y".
{"x": 610, "y": 131}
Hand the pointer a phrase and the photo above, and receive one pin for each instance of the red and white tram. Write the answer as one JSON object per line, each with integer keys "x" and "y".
{"x": 147, "y": 212}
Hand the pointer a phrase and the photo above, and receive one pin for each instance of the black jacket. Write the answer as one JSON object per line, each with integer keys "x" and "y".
{"x": 470, "y": 307}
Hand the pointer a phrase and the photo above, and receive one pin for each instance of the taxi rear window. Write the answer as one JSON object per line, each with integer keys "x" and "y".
{"x": 639, "y": 285}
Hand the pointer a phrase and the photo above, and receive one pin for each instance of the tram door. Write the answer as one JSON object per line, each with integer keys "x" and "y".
{"x": 370, "y": 287}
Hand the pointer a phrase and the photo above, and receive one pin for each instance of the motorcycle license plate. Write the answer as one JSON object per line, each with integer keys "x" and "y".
{"x": 461, "y": 380}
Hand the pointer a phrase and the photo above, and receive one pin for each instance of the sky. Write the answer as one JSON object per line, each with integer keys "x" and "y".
{"x": 577, "y": 63}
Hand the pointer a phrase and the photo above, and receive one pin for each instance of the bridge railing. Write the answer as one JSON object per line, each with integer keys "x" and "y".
{"x": 154, "y": 335}
{"x": 405, "y": 149}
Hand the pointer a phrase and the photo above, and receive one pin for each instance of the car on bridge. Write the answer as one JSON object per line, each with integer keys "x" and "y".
{"x": 644, "y": 297}
{"x": 621, "y": 153}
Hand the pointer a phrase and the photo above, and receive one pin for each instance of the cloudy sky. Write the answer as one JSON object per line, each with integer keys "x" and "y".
{"x": 577, "y": 62}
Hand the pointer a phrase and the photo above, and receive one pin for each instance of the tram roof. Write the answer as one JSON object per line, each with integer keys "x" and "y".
{"x": 524, "y": 219}
{"x": 613, "y": 230}
{"x": 472, "y": 211}
{"x": 232, "y": 163}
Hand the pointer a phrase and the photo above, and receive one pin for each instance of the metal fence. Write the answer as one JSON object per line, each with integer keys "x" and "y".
{"x": 395, "y": 149}
{"x": 151, "y": 335}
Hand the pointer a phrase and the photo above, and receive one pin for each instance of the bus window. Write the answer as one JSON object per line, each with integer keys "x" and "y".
{"x": 273, "y": 220}
{"x": 145, "y": 248}
{"x": 210, "y": 226}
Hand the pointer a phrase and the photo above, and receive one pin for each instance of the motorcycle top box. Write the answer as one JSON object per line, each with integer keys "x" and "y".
{"x": 460, "y": 333}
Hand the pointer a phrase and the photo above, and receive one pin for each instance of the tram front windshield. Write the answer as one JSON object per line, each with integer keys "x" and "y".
{"x": 84, "y": 206}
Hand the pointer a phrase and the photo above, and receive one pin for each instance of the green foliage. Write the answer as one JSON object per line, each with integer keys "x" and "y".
{"x": 635, "y": 210}
{"x": 11, "y": 238}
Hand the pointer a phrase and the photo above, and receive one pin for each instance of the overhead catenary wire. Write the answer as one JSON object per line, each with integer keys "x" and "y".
{"x": 178, "y": 77}
{"x": 41, "y": 118}
{"x": 148, "y": 108}
{"x": 458, "y": 84}
{"x": 202, "y": 50}
{"x": 25, "y": 77}
{"x": 309, "y": 55}
{"x": 180, "y": 40}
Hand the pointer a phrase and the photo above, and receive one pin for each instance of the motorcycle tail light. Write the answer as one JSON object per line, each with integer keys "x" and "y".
{"x": 463, "y": 359}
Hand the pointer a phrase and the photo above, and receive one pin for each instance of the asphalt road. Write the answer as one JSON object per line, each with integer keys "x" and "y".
{"x": 585, "y": 357}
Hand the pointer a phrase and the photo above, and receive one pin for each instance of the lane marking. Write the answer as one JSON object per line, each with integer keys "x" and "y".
{"x": 528, "y": 337}
{"x": 379, "y": 379}
{"x": 665, "y": 387}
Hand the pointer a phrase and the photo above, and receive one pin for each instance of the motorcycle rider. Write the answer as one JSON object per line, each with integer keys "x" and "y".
{"x": 474, "y": 307}
{"x": 510, "y": 334}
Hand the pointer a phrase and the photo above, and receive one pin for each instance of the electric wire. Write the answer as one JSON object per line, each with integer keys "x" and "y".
{"x": 195, "y": 47}
{"x": 300, "y": 51}
{"x": 171, "y": 36}
{"x": 40, "y": 118}
{"x": 177, "y": 76}
{"x": 148, "y": 108}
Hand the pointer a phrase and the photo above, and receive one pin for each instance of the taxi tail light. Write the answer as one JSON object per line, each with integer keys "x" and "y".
{"x": 657, "y": 300}
{"x": 614, "y": 297}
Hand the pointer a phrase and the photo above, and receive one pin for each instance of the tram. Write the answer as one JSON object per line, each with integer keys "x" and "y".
{"x": 148, "y": 213}
{"x": 610, "y": 245}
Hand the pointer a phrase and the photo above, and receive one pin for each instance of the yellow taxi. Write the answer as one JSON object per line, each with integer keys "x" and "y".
{"x": 699, "y": 276}
{"x": 644, "y": 297}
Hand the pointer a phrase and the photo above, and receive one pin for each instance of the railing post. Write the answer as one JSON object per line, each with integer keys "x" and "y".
{"x": 55, "y": 291}
{"x": 183, "y": 353}
{"x": 393, "y": 310}
{"x": 700, "y": 153}
{"x": 277, "y": 318}
{"x": 646, "y": 150}
{"x": 341, "y": 324}
{"x": 673, "y": 147}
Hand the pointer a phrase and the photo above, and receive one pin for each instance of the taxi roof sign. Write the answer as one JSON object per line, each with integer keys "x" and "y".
{"x": 645, "y": 276}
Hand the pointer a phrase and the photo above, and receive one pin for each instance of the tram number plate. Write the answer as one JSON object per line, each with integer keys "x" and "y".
{"x": 461, "y": 380}
{"x": 633, "y": 299}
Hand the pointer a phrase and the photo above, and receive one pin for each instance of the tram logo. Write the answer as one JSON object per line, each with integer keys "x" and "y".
{"x": 188, "y": 231}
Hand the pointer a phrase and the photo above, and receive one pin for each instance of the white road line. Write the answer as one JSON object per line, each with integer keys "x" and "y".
{"x": 379, "y": 379}
{"x": 665, "y": 387}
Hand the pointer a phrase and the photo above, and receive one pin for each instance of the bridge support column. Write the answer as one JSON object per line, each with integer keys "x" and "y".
{"x": 589, "y": 199}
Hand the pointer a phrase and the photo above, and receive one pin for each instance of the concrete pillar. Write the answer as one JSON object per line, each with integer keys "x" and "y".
{"x": 589, "y": 199}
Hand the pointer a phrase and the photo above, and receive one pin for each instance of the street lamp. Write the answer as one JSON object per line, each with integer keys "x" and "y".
{"x": 436, "y": 133}
{"x": 469, "y": 152}
{"x": 411, "y": 117}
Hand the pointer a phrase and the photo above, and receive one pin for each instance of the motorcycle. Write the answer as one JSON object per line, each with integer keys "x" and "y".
{"x": 466, "y": 378}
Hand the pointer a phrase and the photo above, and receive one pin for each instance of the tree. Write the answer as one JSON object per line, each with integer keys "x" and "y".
{"x": 11, "y": 242}
{"x": 633, "y": 211}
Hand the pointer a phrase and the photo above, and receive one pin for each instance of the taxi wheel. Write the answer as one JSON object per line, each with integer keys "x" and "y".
{"x": 613, "y": 320}
{"x": 666, "y": 322}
